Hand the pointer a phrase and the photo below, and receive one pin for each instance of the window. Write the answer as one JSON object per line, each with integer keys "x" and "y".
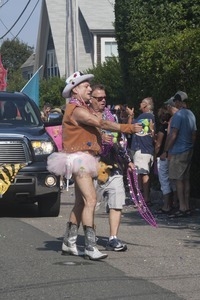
{"x": 108, "y": 48}
{"x": 52, "y": 66}
{"x": 29, "y": 75}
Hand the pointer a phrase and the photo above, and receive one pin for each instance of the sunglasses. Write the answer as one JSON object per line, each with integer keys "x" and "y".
{"x": 99, "y": 98}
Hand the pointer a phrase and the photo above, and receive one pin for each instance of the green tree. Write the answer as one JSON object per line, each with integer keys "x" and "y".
{"x": 142, "y": 21}
{"x": 14, "y": 54}
{"x": 16, "y": 81}
{"x": 51, "y": 91}
{"x": 109, "y": 74}
{"x": 158, "y": 43}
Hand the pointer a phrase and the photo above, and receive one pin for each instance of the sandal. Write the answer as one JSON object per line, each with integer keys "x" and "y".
{"x": 178, "y": 214}
{"x": 149, "y": 203}
{"x": 161, "y": 211}
{"x": 188, "y": 212}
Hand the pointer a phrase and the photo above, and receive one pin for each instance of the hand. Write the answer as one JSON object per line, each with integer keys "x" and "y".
{"x": 131, "y": 166}
{"x": 137, "y": 127}
{"x": 130, "y": 111}
{"x": 107, "y": 138}
{"x": 163, "y": 156}
{"x": 151, "y": 125}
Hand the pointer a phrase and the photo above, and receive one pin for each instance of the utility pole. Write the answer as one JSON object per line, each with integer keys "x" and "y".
{"x": 71, "y": 36}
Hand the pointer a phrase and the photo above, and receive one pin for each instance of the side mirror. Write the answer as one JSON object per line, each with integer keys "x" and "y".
{"x": 54, "y": 119}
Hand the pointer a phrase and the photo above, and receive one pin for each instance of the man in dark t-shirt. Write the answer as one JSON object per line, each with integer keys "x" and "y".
{"x": 142, "y": 146}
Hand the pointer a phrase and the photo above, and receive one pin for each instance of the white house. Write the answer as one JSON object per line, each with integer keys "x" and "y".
{"x": 74, "y": 35}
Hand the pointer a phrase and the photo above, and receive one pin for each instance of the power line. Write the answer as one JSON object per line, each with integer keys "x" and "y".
{"x": 26, "y": 20}
{"x": 5, "y": 26}
{"x": 16, "y": 20}
{"x": 4, "y": 4}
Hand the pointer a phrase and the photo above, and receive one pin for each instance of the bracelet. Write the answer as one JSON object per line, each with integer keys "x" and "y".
{"x": 131, "y": 115}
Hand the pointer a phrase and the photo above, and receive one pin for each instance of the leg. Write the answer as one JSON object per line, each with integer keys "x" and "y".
{"x": 182, "y": 187}
{"x": 76, "y": 213}
{"x": 167, "y": 199}
{"x": 69, "y": 241}
{"x": 181, "y": 194}
{"x": 116, "y": 200}
{"x": 165, "y": 183}
{"x": 187, "y": 193}
{"x": 86, "y": 188}
{"x": 175, "y": 199}
{"x": 114, "y": 244}
{"x": 83, "y": 210}
{"x": 114, "y": 221}
{"x": 70, "y": 237}
{"x": 140, "y": 185}
{"x": 87, "y": 191}
{"x": 146, "y": 187}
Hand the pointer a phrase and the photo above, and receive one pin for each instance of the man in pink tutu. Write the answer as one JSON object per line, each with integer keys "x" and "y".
{"x": 82, "y": 145}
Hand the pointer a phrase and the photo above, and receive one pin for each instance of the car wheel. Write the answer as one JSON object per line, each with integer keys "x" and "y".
{"x": 49, "y": 205}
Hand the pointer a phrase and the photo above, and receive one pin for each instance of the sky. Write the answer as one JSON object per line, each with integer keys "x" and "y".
{"x": 10, "y": 11}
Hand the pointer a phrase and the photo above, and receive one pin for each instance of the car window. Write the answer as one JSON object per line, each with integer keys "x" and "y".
{"x": 18, "y": 113}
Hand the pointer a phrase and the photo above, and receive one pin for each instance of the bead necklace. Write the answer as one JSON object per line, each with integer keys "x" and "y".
{"x": 138, "y": 199}
{"x": 78, "y": 102}
{"x": 107, "y": 115}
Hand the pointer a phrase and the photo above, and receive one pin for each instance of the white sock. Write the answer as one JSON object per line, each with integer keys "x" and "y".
{"x": 112, "y": 237}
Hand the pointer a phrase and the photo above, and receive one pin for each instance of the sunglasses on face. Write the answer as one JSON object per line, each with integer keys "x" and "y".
{"x": 99, "y": 99}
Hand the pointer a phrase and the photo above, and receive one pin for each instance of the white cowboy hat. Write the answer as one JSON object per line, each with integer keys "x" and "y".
{"x": 74, "y": 80}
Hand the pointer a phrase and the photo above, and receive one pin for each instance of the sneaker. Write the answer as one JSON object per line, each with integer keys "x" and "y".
{"x": 71, "y": 250}
{"x": 116, "y": 245}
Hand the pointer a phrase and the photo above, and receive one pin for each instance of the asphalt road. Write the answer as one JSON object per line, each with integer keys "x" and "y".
{"x": 161, "y": 263}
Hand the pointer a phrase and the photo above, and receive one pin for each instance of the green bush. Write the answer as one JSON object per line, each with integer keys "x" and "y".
{"x": 109, "y": 74}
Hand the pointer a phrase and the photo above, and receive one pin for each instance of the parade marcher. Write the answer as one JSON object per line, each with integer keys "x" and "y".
{"x": 82, "y": 145}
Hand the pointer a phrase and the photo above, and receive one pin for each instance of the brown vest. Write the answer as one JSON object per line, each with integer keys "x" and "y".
{"x": 79, "y": 137}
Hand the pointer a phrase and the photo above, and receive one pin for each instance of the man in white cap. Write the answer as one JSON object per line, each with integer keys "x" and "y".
{"x": 180, "y": 144}
{"x": 82, "y": 144}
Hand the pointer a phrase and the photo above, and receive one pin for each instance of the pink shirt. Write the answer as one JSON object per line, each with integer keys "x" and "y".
{"x": 56, "y": 133}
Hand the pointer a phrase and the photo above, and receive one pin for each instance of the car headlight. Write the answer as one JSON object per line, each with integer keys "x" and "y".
{"x": 42, "y": 147}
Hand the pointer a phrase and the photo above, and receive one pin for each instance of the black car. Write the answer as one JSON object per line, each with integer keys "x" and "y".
{"x": 24, "y": 141}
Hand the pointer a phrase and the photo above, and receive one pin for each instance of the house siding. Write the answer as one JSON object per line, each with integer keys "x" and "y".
{"x": 85, "y": 40}
{"x": 73, "y": 25}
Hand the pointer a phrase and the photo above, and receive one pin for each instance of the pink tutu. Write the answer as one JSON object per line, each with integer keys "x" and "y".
{"x": 66, "y": 164}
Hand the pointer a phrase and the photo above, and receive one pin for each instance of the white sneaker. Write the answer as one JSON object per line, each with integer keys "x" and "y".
{"x": 71, "y": 250}
{"x": 94, "y": 254}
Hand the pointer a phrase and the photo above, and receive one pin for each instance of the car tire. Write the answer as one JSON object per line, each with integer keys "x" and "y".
{"x": 49, "y": 205}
